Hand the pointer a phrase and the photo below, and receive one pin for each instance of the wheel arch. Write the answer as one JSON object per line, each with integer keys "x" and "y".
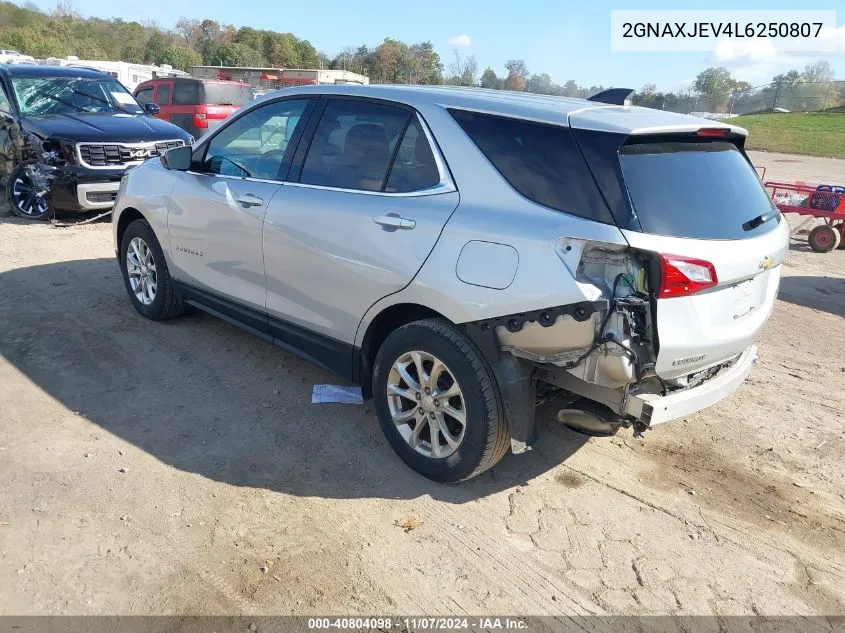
{"x": 127, "y": 216}
{"x": 378, "y": 329}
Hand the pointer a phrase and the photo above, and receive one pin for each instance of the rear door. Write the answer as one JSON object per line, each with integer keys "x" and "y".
{"x": 365, "y": 203}
{"x": 695, "y": 200}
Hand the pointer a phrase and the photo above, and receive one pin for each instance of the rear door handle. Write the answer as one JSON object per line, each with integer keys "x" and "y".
{"x": 394, "y": 221}
{"x": 250, "y": 200}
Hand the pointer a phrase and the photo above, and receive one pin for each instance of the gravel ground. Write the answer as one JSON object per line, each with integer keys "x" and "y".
{"x": 180, "y": 468}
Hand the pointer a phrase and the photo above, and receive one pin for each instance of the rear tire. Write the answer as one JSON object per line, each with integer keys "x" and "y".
{"x": 145, "y": 274}
{"x": 823, "y": 238}
{"x": 476, "y": 431}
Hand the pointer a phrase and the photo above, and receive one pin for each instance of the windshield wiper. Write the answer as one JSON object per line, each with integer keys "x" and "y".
{"x": 101, "y": 100}
{"x": 753, "y": 223}
{"x": 59, "y": 99}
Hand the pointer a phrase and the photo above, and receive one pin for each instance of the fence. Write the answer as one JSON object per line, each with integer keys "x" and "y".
{"x": 795, "y": 97}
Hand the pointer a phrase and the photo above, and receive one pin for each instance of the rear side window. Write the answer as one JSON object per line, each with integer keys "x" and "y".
{"x": 695, "y": 190}
{"x": 353, "y": 145}
{"x": 542, "y": 162}
{"x": 414, "y": 168}
{"x": 186, "y": 93}
{"x": 163, "y": 95}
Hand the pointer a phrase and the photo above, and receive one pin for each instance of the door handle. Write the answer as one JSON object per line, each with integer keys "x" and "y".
{"x": 393, "y": 221}
{"x": 250, "y": 200}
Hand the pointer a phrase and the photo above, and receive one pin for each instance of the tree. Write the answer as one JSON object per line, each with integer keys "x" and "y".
{"x": 156, "y": 46}
{"x": 490, "y": 80}
{"x": 190, "y": 31}
{"x": 236, "y": 54}
{"x": 464, "y": 70}
{"x": 517, "y": 75}
{"x": 714, "y": 82}
{"x": 181, "y": 57}
{"x": 540, "y": 84}
{"x": 820, "y": 71}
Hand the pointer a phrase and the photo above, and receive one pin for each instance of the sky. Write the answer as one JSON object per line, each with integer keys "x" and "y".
{"x": 566, "y": 39}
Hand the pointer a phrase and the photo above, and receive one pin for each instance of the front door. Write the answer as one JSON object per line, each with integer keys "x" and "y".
{"x": 359, "y": 220}
{"x": 216, "y": 213}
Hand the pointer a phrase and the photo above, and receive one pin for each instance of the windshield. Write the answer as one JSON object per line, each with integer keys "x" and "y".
{"x": 69, "y": 95}
{"x": 698, "y": 190}
{"x": 227, "y": 94}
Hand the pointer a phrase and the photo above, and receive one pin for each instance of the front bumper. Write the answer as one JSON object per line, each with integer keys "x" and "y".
{"x": 82, "y": 189}
{"x": 654, "y": 409}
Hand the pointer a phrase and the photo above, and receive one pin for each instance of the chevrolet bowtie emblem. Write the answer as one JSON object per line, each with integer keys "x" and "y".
{"x": 767, "y": 262}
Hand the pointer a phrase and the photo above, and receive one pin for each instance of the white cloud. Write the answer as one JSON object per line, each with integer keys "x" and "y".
{"x": 461, "y": 41}
{"x": 759, "y": 55}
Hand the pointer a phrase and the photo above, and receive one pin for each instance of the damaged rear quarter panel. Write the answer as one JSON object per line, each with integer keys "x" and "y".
{"x": 541, "y": 280}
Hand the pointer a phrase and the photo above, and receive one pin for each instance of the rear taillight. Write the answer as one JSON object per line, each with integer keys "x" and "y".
{"x": 200, "y": 119}
{"x": 713, "y": 131}
{"x": 681, "y": 276}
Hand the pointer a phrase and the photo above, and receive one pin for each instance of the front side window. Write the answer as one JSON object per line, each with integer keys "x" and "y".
{"x": 353, "y": 145}
{"x": 72, "y": 95}
{"x": 254, "y": 145}
{"x": 144, "y": 95}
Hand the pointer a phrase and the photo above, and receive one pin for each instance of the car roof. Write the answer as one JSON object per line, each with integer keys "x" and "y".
{"x": 38, "y": 70}
{"x": 555, "y": 110}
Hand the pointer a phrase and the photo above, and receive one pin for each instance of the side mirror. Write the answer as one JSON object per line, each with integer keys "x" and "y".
{"x": 178, "y": 158}
{"x": 152, "y": 109}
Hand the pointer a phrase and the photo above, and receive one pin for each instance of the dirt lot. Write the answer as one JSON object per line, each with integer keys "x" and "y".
{"x": 180, "y": 468}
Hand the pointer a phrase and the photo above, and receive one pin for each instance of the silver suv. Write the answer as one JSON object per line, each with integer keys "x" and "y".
{"x": 462, "y": 254}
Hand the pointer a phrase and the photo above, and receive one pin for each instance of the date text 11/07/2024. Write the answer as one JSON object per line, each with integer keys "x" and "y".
{"x": 418, "y": 623}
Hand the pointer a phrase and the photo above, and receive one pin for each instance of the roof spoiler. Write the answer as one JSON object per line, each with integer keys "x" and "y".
{"x": 613, "y": 96}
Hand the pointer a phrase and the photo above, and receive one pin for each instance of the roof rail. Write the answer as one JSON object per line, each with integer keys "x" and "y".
{"x": 613, "y": 96}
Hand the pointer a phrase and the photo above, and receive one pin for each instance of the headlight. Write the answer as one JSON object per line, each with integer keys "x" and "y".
{"x": 58, "y": 151}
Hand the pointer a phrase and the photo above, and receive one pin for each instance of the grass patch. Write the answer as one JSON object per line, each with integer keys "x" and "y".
{"x": 808, "y": 133}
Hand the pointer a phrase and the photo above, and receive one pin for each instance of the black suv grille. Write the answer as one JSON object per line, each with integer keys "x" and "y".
{"x": 117, "y": 155}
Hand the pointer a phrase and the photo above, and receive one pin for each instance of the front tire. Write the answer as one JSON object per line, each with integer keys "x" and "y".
{"x": 25, "y": 199}
{"x": 145, "y": 274}
{"x": 438, "y": 402}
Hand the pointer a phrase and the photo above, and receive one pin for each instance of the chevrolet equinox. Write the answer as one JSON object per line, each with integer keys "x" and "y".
{"x": 463, "y": 254}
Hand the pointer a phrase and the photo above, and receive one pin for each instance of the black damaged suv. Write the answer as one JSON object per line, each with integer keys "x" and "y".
{"x": 67, "y": 135}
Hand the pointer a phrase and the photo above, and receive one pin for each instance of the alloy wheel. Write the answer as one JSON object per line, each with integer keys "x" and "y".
{"x": 426, "y": 404}
{"x": 141, "y": 267}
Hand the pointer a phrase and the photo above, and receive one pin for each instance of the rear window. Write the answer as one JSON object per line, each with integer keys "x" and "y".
{"x": 695, "y": 190}
{"x": 542, "y": 162}
{"x": 227, "y": 94}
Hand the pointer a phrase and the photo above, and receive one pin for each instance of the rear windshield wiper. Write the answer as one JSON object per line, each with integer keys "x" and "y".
{"x": 753, "y": 223}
